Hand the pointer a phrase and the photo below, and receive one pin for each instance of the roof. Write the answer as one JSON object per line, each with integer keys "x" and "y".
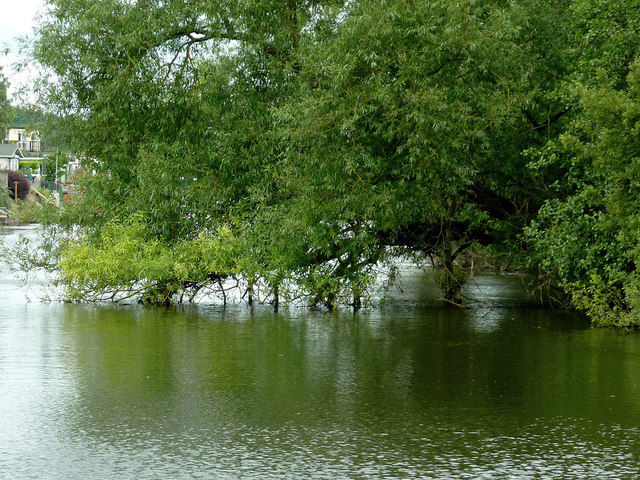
{"x": 9, "y": 150}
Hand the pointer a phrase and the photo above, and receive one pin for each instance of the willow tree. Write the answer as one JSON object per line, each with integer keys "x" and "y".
{"x": 157, "y": 94}
{"x": 410, "y": 125}
{"x": 320, "y": 133}
{"x": 170, "y": 104}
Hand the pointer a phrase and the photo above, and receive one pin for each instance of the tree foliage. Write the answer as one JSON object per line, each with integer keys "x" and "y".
{"x": 5, "y": 197}
{"x": 19, "y": 184}
{"x": 129, "y": 261}
{"x": 586, "y": 234}
{"x": 411, "y": 122}
{"x": 6, "y": 110}
{"x": 312, "y": 140}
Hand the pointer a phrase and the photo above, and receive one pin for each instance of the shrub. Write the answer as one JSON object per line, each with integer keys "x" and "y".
{"x": 29, "y": 165}
{"x": 5, "y": 199}
{"x": 23, "y": 184}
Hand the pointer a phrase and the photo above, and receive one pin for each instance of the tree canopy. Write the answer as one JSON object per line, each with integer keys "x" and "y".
{"x": 296, "y": 145}
{"x": 6, "y": 111}
{"x": 586, "y": 234}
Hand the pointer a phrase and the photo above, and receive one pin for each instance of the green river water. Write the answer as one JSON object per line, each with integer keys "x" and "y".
{"x": 410, "y": 390}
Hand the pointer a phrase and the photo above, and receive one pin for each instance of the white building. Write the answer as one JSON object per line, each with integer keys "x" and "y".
{"x": 10, "y": 156}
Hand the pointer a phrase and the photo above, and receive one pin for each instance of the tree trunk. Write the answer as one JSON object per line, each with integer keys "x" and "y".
{"x": 276, "y": 298}
{"x": 250, "y": 283}
{"x": 448, "y": 275}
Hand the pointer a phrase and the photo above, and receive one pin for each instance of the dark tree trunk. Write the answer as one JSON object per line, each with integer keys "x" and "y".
{"x": 448, "y": 275}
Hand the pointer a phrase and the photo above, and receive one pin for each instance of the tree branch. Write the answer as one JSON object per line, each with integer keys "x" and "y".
{"x": 550, "y": 120}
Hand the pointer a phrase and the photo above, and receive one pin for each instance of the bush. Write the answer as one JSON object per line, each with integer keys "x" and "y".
{"x": 23, "y": 184}
{"x": 5, "y": 199}
{"x": 29, "y": 165}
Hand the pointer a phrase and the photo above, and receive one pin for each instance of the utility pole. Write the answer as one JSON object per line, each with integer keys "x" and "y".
{"x": 15, "y": 192}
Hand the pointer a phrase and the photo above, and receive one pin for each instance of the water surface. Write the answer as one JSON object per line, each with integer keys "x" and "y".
{"x": 409, "y": 390}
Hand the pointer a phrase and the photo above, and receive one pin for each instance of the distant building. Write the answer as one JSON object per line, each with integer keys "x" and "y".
{"x": 10, "y": 156}
{"x": 28, "y": 141}
{"x": 73, "y": 167}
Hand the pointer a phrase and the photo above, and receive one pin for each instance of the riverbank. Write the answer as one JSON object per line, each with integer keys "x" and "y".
{"x": 11, "y": 222}
{"x": 33, "y": 209}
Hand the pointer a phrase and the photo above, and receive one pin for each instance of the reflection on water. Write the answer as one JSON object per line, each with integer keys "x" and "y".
{"x": 410, "y": 390}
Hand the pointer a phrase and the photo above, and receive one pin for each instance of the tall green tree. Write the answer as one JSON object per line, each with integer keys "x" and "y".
{"x": 324, "y": 135}
{"x": 170, "y": 104}
{"x": 6, "y": 110}
{"x": 409, "y": 127}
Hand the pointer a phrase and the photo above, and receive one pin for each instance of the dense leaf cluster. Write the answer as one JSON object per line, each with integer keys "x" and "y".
{"x": 6, "y": 110}
{"x": 586, "y": 235}
{"x": 300, "y": 144}
{"x": 18, "y": 184}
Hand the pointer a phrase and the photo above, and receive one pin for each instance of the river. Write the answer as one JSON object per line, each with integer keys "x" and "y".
{"x": 410, "y": 390}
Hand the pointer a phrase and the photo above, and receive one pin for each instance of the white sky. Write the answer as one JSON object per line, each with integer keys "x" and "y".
{"x": 17, "y": 18}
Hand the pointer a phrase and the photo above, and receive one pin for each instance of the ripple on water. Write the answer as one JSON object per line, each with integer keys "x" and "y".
{"x": 408, "y": 391}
